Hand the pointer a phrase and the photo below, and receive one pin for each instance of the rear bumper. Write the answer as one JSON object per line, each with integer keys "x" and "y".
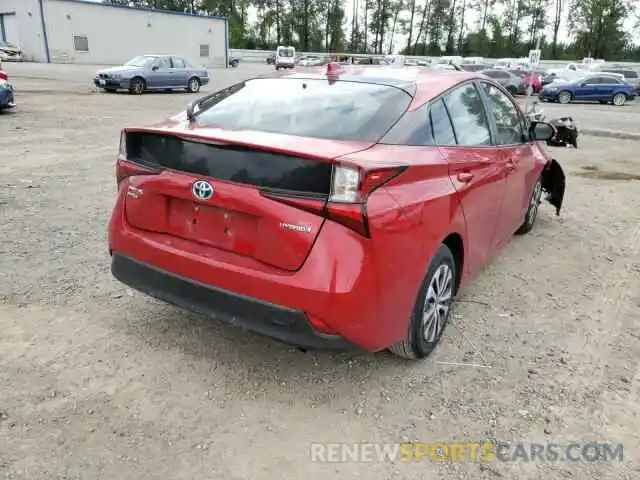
{"x": 338, "y": 289}
{"x": 284, "y": 324}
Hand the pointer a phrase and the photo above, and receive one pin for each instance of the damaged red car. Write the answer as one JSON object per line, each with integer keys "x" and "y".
{"x": 337, "y": 208}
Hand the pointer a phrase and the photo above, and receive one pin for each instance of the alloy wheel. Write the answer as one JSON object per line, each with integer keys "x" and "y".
{"x": 138, "y": 86}
{"x": 533, "y": 204}
{"x": 619, "y": 100}
{"x": 564, "y": 97}
{"x": 437, "y": 303}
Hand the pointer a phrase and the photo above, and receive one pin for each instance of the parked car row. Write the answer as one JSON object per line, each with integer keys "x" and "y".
{"x": 605, "y": 85}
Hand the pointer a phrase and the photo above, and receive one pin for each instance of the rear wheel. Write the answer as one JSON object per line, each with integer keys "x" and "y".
{"x": 432, "y": 309}
{"x": 193, "y": 86}
{"x": 619, "y": 99}
{"x": 137, "y": 86}
{"x": 564, "y": 97}
{"x": 532, "y": 210}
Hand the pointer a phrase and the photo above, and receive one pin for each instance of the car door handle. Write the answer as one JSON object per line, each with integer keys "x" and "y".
{"x": 465, "y": 177}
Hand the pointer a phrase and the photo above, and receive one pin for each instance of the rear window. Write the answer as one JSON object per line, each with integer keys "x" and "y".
{"x": 230, "y": 163}
{"x": 341, "y": 110}
{"x": 286, "y": 52}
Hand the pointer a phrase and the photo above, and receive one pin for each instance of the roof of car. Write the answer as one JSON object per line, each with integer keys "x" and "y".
{"x": 426, "y": 82}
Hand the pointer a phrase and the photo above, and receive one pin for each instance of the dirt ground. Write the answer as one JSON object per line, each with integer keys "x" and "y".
{"x": 99, "y": 382}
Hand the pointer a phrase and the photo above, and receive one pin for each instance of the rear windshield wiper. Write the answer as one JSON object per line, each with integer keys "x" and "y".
{"x": 208, "y": 101}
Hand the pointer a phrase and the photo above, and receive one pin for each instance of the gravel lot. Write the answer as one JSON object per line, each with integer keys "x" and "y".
{"x": 98, "y": 382}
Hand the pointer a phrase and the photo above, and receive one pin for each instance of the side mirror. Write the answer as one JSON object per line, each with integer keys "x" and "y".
{"x": 155, "y": 68}
{"x": 542, "y": 131}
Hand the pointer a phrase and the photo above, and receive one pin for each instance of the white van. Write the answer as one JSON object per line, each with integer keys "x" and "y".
{"x": 285, "y": 57}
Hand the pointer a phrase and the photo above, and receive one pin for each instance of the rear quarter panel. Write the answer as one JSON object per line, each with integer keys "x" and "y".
{"x": 408, "y": 219}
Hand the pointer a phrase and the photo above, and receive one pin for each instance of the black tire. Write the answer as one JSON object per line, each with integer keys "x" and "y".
{"x": 193, "y": 85}
{"x": 512, "y": 90}
{"x": 277, "y": 67}
{"x": 417, "y": 345}
{"x": 532, "y": 210}
{"x": 138, "y": 86}
{"x": 564, "y": 97}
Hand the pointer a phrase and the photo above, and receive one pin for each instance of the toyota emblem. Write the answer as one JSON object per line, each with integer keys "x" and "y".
{"x": 202, "y": 190}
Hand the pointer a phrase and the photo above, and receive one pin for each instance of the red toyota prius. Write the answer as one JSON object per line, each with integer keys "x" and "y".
{"x": 337, "y": 208}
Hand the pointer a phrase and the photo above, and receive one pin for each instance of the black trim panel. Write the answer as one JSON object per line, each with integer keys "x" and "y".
{"x": 288, "y": 326}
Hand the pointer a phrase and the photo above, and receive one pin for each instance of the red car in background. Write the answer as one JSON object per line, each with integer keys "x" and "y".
{"x": 329, "y": 209}
{"x": 530, "y": 78}
{"x": 7, "y": 99}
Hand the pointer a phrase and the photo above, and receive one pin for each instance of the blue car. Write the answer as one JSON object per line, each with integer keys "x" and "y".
{"x": 152, "y": 72}
{"x": 6, "y": 93}
{"x": 590, "y": 88}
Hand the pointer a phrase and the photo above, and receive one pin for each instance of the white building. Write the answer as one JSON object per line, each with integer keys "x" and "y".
{"x": 80, "y": 31}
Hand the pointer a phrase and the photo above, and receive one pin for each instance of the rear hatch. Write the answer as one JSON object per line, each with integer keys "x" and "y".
{"x": 245, "y": 214}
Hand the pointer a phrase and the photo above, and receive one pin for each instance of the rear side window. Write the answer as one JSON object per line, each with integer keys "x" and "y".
{"x": 441, "y": 127}
{"x": 163, "y": 62}
{"x": 317, "y": 108}
{"x": 468, "y": 116}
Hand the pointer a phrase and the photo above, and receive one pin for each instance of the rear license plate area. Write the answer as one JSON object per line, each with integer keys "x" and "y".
{"x": 213, "y": 226}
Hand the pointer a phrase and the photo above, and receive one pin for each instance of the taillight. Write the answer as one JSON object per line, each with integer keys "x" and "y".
{"x": 347, "y": 202}
{"x": 126, "y": 168}
{"x": 350, "y": 188}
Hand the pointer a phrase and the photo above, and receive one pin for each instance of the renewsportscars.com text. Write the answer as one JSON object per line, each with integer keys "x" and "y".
{"x": 371, "y": 452}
